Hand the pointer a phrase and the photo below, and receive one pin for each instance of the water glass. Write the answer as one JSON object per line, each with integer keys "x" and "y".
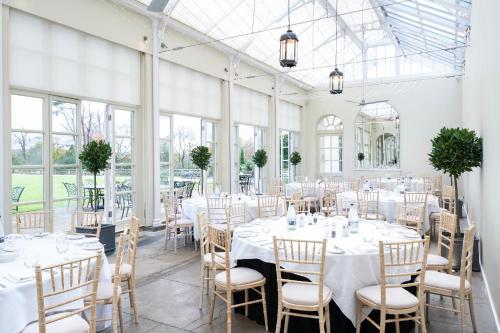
{"x": 62, "y": 246}
{"x": 30, "y": 258}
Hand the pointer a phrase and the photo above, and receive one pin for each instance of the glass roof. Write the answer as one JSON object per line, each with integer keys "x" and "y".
{"x": 400, "y": 37}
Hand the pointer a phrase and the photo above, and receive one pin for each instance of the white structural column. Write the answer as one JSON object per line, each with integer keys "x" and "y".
{"x": 273, "y": 123}
{"x": 2, "y": 124}
{"x": 234, "y": 61}
{"x": 157, "y": 28}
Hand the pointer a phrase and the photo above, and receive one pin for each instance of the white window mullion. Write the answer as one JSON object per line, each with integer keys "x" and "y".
{"x": 110, "y": 172}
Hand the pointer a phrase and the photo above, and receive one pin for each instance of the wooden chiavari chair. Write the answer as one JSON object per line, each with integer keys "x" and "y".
{"x": 309, "y": 193}
{"x": 327, "y": 203}
{"x": 90, "y": 221}
{"x": 267, "y": 206}
{"x": 415, "y": 198}
{"x": 333, "y": 186}
{"x": 300, "y": 205}
{"x": 351, "y": 185}
{"x": 232, "y": 279}
{"x": 276, "y": 188}
{"x": 411, "y": 217}
{"x": 216, "y": 208}
{"x": 455, "y": 287}
{"x": 448, "y": 204}
{"x": 427, "y": 185}
{"x": 237, "y": 214}
{"x": 303, "y": 296}
{"x": 109, "y": 293}
{"x": 368, "y": 205}
{"x": 402, "y": 261}
{"x": 32, "y": 222}
{"x": 70, "y": 282}
{"x": 174, "y": 222}
{"x": 446, "y": 240}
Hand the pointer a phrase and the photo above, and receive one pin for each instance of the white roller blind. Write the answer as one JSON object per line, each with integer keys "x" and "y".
{"x": 250, "y": 107}
{"x": 52, "y": 57}
{"x": 186, "y": 91}
{"x": 288, "y": 116}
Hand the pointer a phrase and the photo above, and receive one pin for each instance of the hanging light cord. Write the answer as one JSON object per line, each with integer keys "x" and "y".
{"x": 288, "y": 14}
{"x": 336, "y": 29}
{"x": 253, "y": 17}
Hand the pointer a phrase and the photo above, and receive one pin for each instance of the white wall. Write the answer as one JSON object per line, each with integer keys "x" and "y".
{"x": 424, "y": 107}
{"x": 481, "y": 112}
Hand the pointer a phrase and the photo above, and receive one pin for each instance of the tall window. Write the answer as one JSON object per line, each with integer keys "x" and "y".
{"x": 165, "y": 144}
{"x": 209, "y": 134}
{"x": 330, "y": 131}
{"x": 248, "y": 140}
{"x": 289, "y": 142}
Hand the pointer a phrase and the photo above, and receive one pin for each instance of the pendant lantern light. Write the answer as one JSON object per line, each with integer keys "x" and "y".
{"x": 336, "y": 77}
{"x": 289, "y": 44}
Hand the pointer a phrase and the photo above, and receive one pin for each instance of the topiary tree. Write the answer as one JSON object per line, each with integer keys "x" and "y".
{"x": 456, "y": 151}
{"x": 361, "y": 158}
{"x": 260, "y": 160}
{"x": 200, "y": 156}
{"x": 94, "y": 158}
{"x": 295, "y": 159}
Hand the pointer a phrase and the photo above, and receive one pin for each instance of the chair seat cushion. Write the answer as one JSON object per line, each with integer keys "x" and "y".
{"x": 434, "y": 279}
{"x": 435, "y": 260}
{"x": 105, "y": 290}
{"x": 126, "y": 270}
{"x": 396, "y": 298}
{"x": 181, "y": 223}
{"x": 239, "y": 276}
{"x": 71, "y": 324}
{"x": 304, "y": 294}
{"x": 207, "y": 259}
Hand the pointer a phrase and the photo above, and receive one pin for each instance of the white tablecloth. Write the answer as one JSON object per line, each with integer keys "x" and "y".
{"x": 345, "y": 273}
{"x": 391, "y": 184}
{"x": 192, "y": 207}
{"x": 293, "y": 187}
{"x": 388, "y": 202}
{"x": 18, "y": 302}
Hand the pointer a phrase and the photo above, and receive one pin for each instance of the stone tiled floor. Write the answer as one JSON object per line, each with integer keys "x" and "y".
{"x": 168, "y": 295}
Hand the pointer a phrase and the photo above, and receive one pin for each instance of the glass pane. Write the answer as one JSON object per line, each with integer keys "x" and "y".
{"x": 123, "y": 178}
{"x": 63, "y": 117}
{"x": 164, "y": 127}
{"x": 187, "y": 134}
{"x": 62, "y": 214}
{"x": 165, "y": 151}
{"x": 64, "y": 149}
{"x": 123, "y": 150}
{"x": 27, "y": 185}
{"x": 123, "y": 123}
{"x": 64, "y": 183}
{"x": 27, "y": 148}
{"x": 92, "y": 122}
{"x": 164, "y": 176}
{"x": 27, "y": 112}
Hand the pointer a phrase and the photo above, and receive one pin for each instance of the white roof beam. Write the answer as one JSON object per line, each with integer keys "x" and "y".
{"x": 342, "y": 24}
{"x": 416, "y": 24}
{"x": 387, "y": 28}
{"x": 409, "y": 28}
{"x": 400, "y": 8}
{"x": 455, "y": 6}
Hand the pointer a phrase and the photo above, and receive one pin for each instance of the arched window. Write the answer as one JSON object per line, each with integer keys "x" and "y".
{"x": 330, "y": 131}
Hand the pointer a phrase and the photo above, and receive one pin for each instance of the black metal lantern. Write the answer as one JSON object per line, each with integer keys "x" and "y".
{"x": 336, "y": 82}
{"x": 289, "y": 49}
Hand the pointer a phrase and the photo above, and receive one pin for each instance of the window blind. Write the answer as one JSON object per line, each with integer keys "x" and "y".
{"x": 288, "y": 116}
{"x": 250, "y": 107}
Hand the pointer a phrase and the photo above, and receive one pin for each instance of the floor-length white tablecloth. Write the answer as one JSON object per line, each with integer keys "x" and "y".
{"x": 388, "y": 202}
{"x": 345, "y": 273}
{"x": 192, "y": 207}
{"x": 18, "y": 301}
{"x": 293, "y": 187}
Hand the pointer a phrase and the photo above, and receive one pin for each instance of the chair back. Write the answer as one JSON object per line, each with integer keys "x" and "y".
{"x": 41, "y": 221}
{"x": 133, "y": 244}
{"x": 70, "y": 282}
{"x": 71, "y": 189}
{"x": 351, "y": 186}
{"x": 216, "y": 208}
{"x": 415, "y": 198}
{"x": 90, "y": 221}
{"x": 467, "y": 256}
{"x": 427, "y": 186}
{"x": 236, "y": 213}
{"x": 446, "y": 238}
{"x": 308, "y": 188}
{"x": 368, "y": 205}
{"x": 411, "y": 217}
{"x": 306, "y": 253}
{"x": 276, "y": 187}
{"x": 342, "y": 205}
{"x": 267, "y": 206}
{"x": 220, "y": 247}
{"x": 333, "y": 186}
{"x": 203, "y": 227}
{"x": 171, "y": 207}
{"x": 448, "y": 199}
{"x": 400, "y": 262}
{"x": 328, "y": 202}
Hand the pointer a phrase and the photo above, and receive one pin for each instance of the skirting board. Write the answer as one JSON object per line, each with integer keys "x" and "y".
{"x": 497, "y": 323}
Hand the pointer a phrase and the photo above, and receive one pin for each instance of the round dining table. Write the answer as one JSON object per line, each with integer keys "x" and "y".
{"x": 389, "y": 200}
{"x": 18, "y": 295}
{"x": 352, "y": 261}
{"x": 192, "y": 207}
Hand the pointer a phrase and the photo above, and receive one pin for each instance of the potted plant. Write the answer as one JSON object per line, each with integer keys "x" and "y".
{"x": 295, "y": 159}
{"x": 200, "y": 156}
{"x": 259, "y": 159}
{"x": 361, "y": 158}
{"x": 94, "y": 158}
{"x": 454, "y": 152}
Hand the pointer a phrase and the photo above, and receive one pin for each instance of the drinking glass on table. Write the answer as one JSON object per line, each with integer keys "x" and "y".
{"x": 30, "y": 258}
{"x": 61, "y": 245}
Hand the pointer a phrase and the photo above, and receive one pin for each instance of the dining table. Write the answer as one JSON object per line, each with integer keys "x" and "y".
{"x": 294, "y": 187}
{"x": 194, "y": 206}
{"x": 352, "y": 262}
{"x": 19, "y": 255}
{"x": 389, "y": 200}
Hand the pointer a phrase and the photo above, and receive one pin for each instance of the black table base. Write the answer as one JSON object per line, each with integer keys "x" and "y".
{"x": 339, "y": 322}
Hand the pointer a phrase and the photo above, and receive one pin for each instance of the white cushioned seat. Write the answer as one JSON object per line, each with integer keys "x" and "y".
{"x": 443, "y": 281}
{"x": 105, "y": 290}
{"x": 72, "y": 324}
{"x": 396, "y": 298}
{"x": 239, "y": 276}
{"x": 126, "y": 270}
{"x": 181, "y": 222}
{"x": 435, "y": 260}
{"x": 304, "y": 294}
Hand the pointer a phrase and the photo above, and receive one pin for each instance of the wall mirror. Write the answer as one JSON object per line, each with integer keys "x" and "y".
{"x": 377, "y": 137}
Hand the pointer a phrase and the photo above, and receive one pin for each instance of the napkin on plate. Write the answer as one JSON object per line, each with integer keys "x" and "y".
{"x": 86, "y": 240}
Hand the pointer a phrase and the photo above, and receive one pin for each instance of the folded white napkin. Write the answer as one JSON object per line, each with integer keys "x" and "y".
{"x": 86, "y": 240}
{"x": 20, "y": 275}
